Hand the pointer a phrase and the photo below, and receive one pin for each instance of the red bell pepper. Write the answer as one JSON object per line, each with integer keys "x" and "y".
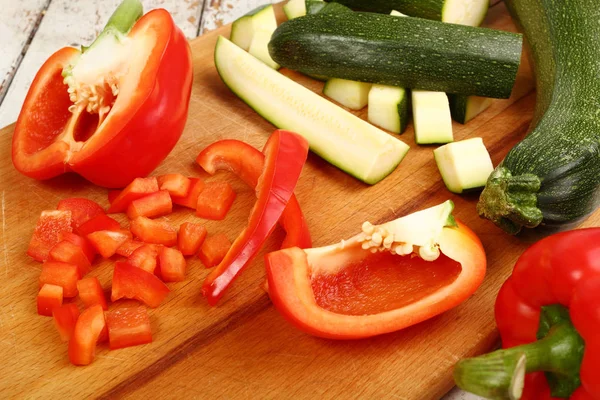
{"x": 172, "y": 265}
{"x": 123, "y": 98}
{"x": 190, "y": 200}
{"x": 548, "y": 314}
{"x": 215, "y": 200}
{"x": 145, "y": 258}
{"x": 153, "y": 205}
{"x": 190, "y": 238}
{"x": 135, "y": 283}
{"x": 138, "y": 188}
{"x": 112, "y": 195}
{"x": 65, "y": 318}
{"x": 285, "y": 155}
{"x": 49, "y": 298}
{"x": 82, "y": 242}
{"x": 98, "y": 223}
{"x": 89, "y": 327}
{"x": 107, "y": 242}
{"x": 60, "y": 274}
{"x": 154, "y": 231}
{"x": 127, "y": 248}
{"x": 91, "y": 293}
{"x": 176, "y": 184}
{"x": 247, "y": 163}
{"x": 214, "y": 249}
{"x": 70, "y": 253}
{"x": 47, "y": 233}
{"x": 128, "y": 326}
{"x": 82, "y": 210}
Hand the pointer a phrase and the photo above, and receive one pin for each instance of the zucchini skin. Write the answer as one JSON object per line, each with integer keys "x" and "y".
{"x": 406, "y": 52}
{"x": 551, "y": 179}
{"x": 429, "y": 9}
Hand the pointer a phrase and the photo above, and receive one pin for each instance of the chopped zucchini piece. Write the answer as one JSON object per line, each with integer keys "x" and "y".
{"x": 314, "y": 6}
{"x": 398, "y": 14}
{"x": 351, "y": 94}
{"x": 244, "y": 28}
{"x": 295, "y": 8}
{"x": 464, "y": 165}
{"x": 388, "y": 107}
{"x": 259, "y": 48}
{"x": 464, "y": 108}
{"x": 431, "y": 117}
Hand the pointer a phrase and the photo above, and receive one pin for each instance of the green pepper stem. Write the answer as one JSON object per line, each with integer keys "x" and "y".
{"x": 121, "y": 21}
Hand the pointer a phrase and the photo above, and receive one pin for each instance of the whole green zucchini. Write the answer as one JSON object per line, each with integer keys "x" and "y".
{"x": 406, "y": 52}
{"x": 552, "y": 178}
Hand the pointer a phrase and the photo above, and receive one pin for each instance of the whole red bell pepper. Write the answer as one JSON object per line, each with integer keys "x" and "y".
{"x": 285, "y": 155}
{"x": 124, "y": 98}
{"x": 548, "y": 314}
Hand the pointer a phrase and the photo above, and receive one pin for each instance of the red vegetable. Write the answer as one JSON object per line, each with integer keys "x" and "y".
{"x": 215, "y": 200}
{"x": 60, "y": 274}
{"x": 98, "y": 223}
{"x": 83, "y": 243}
{"x": 153, "y": 205}
{"x": 135, "y": 283}
{"x": 47, "y": 233}
{"x": 214, "y": 249}
{"x": 112, "y": 195}
{"x": 145, "y": 258}
{"x": 247, "y": 162}
{"x": 82, "y": 210}
{"x": 70, "y": 253}
{"x": 91, "y": 293}
{"x": 139, "y": 188}
{"x": 172, "y": 265}
{"x": 190, "y": 200}
{"x": 129, "y": 247}
{"x": 89, "y": 327}
{"x": 154, "y": 231}
{"x": 190, "y": 238}
{"x": 49, "y": 298}
{"x": 285, "y": 154}
{"x": 175, "y": 184}
{"x": 109, "y": 142}
{"x": 107, "y": 242}
{"x": 128, "y": 327}
{"x": 65, "y": 318}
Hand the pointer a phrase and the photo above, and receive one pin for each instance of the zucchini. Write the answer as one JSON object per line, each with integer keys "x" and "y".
{"x": 431, "y": 117}
{"x": 551, "y": 179}
{"x": 465, "y": 108}
{"x": 464, "y": 12}
{"x": 397, "y": 14}
{"x": 314, "y": 6}
{"x": 294, "y": 9}
{"x": 405, "y": 52}
{"x": 259, "y": 19}
{"x": 464, "y": 165}
{"x": 333, "y": 133}
{"x": 351, "y": 94}
{"x": 388, "y": 107}
{"x": 259, "y": 48}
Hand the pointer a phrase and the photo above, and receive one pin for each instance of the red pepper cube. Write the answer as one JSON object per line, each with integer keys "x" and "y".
{"x": 107, "y": 242}
{"x": 60, "y": 274}
{"x": 129, "y": 247}
{"x": 49, "y": 298}
{"x": 82, "y": 242}
{"x": 145, "y": 258}
{"x": 214, "y": 249}
{"x": 91, "y": 293}
{"x": 154, "y": 231}
{"x": 47, "y": 232}
{"x": 65, "y": 318}
{"x": 70, "y": 253}
{"x": 153, "y": 205}
{"x": 128, "y": 326}
{"x": 112, "y": 195}
{"x": 190, "y": 238}
{"x": 172, "y": 265}
{"x": 98, "y": 223}
{"x": 89, "y": 327}
{"x": 139, "y": 187}
{"x": 82, "y": 210}
{"x": 175, "y": 184}
{"x": 215, "y": 200}
{"x": 190, "y": 200}
{"x": 134, "y": 283}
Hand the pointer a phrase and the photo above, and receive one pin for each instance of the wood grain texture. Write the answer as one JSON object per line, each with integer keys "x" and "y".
{"x": 243, "y": 348}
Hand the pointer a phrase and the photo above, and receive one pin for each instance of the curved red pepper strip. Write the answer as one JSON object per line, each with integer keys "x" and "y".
{"x": 285, "y": 155}
{"x": 247, "y": 163}
{"x": 561, "y": 269}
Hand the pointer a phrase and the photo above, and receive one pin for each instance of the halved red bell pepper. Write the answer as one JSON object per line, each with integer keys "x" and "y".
{"x": 214, "y": 249}
{"x": 190, "y": 200}
{"x": 70, "y": 253}
{"x": 153, "y": 205}
{"x": 49, "y": 298}
{"x": 107, "y": 242}
{"x": 215, "y": 200}
{"x": 47, "y": 233}
{"x": 112, "y": 195}
{"x": 172, "y": 265}
{"x": 88, "y": 328}
{"x": 135, "y": 283}
{"x": 123, "y": 98}
{"x": 82, "y": 210}
{"x": 154, "y": 231}
{"x": 128, "y": 326}
{"x": 91, "y": 293}
{"x": 190, "y": 238}
{"x": 285, "y": 155}
{"x": 384, "y": 279}
{"x": 60, "y": 274}
{"x": 82, "y": 242}
{"x": 98, "y": 223}
{"x": 145, "y": 258}
{"x": 548, "y": 314}
{"x": 176, "y": 184}
{"x": 247, "y": 163}
{"x": 138, "y": 188}
{"x": 65, "y": 318}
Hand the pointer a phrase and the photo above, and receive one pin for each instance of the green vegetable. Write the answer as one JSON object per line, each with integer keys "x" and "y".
{"x": 259, "y": 48}
{"x": 294, "y": 9}
{"x": 259, "y": 19}
{"x": 351, "y": 94}
{"x": 405, "y": 52}
{"x": 431, "y": 117}
{"x": 464, "y": 165}
{"x": 552, "y": 178}
{"x": 338, "y": 136}
{"x": 388, "y": 107}
{"x": 465, "y": 108}
{"x": 314, "y": 6}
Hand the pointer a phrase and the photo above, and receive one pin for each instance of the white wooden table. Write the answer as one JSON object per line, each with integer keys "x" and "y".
{"x": 31, "y": 30}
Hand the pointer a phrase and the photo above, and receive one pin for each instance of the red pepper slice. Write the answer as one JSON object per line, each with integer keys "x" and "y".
{"x": 89, "y": 327}
{"x": 137, "y": 112}
{"x": 47, "y": 233}
{"x": 153, "y": 205}
{"x": 247, "y": 163}
{"x": 135, "y": 283}
{"x": 285, "y": 155}
{"x": 49, "y": 298}
{"x": 60, "y": 274}
{"x": 107, "y": 242}
{"x": 215, "y": 201}
{"x": 129, "y": 247}
{"x": 154, "y": 231}
{"x": 128, "y": 326}
{"x": 190, "y": 200}
{"x": 214, "y": 249}
{"x": 112, "y": 195}
{"x": 140, "y": 187}
{"x": 82, "y": 210}
{"x": 190, "y": 238}
{"x": 91, "y": 293}
{"x": 99, "y": 223}
{"x": 83, "y": 243}
{"x": 70, "y": 253}
{"x": 176, "y": 184}
{"x": 65, "y": 318}
{"x": 172, "y": 265}
{"x": 145, "y": 258}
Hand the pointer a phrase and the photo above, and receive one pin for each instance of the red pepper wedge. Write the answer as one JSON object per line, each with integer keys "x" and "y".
{"x": 285, "y": 155}
{"x": 129, "y": 247}
{"x": 547, "y": 314}
{"x": 190, "y": 200}
{"x": 135, "y": 283}
{"x": 82, "y": 210}
{"x": 107, "y": 242}
{"x": 70, "y": 253}
{"x": 247, "y": 163}
{"x": 154, "y": 231}
{"x": 60, "y": 274}
{"x": 128, "y": 326}
{"x": 172, "y": 265}
{"x": 91, "y": 293}
{"x": 145, "y": 258}
{"x": 49, "y": 298}
{"x": 214, "y": 249}
{"x": 83, "y": 243}
{"x": 190, "y": 238}
{"x": 138, "y": 188}
{"x": 215, "y": 200}
{"x": 128, "y": 100}
{"x": 89, "y": 327}
{"x": 175, "y": 184}
{"x": 65, "y": 318}
{"x": 98, "y": 223}
{"x": 47, "y": 233}
{"x": 153, "y": 205}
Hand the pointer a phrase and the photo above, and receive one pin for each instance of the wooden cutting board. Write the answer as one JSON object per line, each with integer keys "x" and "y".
{"x": 243, "y": 348}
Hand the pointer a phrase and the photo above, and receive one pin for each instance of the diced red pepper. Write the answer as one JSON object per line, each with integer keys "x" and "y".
{"x": 215, "y": 200}
{"x": 91, "y": 293}
{"x": 134, "y": 283}
{"x": 139, "y": 187}
{"x": 70, "y": 253}
{"x": 89, "y": 327}
{"x": 82, "y": 242}
{"x": 175, "y": 184}
{"x": 65, "y": 318}
{"x": 154, "y": 231}
{"x": 47, "y": 233}
{"x": 98, "y": 223}
{"x": 214, "y": 249}
{"x": 153, "y": 205}
{"x": 49, "y": 298}
{"x": 172, "y": 265}
{"x": 128, "y": 326}
{"x": 60, "y": 274}
{"x": 112, "y": 195}
{"x": 190, "y": 238}
{"x": 190, "y": 200}
{"x": 107, "y": 242}
{"x": 129, "y": 247}
{"x": 145, "y": 258}
{"x": 82, "y": 210}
